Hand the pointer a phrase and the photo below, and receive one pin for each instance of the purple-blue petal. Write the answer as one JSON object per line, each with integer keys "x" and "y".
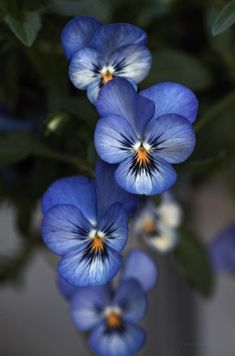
{"x": 78, "y": 33}
{"x": 87, "y": 306}
{"x": 115, "y": 343}
{"x": 115, "y": 224}
{"x": 83, "y": 269}
{"x": 172, "y": 98}
{"x": 114, "y": 138}
{"x": 173, "y": 136}
{"x": 77, "y": 191}
{"x": 161, "y": 178}
{"x": 108, "y": 192}
{"x": 131, "y": 299}
{"x": 141, "y": 267}
{"x": 112, "y": 36}
{"x": 65, "y": 288}
{"x": 222, "y": 250}
{"x": 63, "y": 229}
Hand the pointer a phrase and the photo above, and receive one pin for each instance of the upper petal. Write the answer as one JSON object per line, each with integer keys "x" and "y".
{"x": 115, "y": 343}
{"x": 88, "y": 305}
{"x": 131, "y": 299}
{"x": 112, "y": 36}
{"x": 118, "y": 97}
{"x": 156, "y": 180}
{"x": 77, "y": 191}
{"x": 132, "y": 61}
{"x": 64, "y": 228}
{"x": 114, "y": 138}
{"x": 171, "y": 136}
{"x": 77, "y": 34}
{"x": 172, "y": 98}
{"x": 83, "y": 269}
{"x": 84, "y": 67}
{"x": 141, "y": 267}
{"x": 108, "y": 191}
{"x": 114, "y": 224}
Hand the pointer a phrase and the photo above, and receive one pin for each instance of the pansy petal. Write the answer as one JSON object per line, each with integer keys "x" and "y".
{"x": 93, "y": 90}
{"x": 88, "y": 305}
{"x": 132, "y": 61}
{"x": 173, "y": 137}
{"x": 165, "y": 239}
{"x": 146, "y": 110}
{"x": 77, "y": 191}
{"x": 83, "y": 269}
{"x": 108, "y": 191}
{"x": 65, "y": 288}
{"x": 117, "y": 343}
{"x": 161, "y": 177}
{"x": 114, "y": 224}
{"x": 83, "y": 67}
{"x": 131, "y": 299}
{"x": 112, "y": 36}
{"x": 173, "y": 98}
{"x": 77, "y": 34}
{"x": 64, "y": 228}
{"x": 114, "y": 138}
{"x": 118, "y": 97}
{"x": 222, "y": 250}
{"x": 141, "y": 267}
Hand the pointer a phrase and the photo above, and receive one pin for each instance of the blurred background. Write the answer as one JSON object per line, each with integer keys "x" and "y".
{"x": 46, "y": 131}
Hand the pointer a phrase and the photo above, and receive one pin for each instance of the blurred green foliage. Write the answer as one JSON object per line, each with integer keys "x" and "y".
{"x": 34, "y": 85}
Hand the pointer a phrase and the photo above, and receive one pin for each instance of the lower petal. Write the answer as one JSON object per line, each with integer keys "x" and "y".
{"x": 84, "y": 269}
{"x": 126, "y": 342}
{"x": 156, "y": 180}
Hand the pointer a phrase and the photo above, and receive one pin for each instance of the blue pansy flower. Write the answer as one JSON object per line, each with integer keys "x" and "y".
{"x": 111, "y": 315}
{"x": 98, "y": 53}
{"x": 145, "y": 133}
{"x": 222, "y": 250}
{"x": 86, "y": 223}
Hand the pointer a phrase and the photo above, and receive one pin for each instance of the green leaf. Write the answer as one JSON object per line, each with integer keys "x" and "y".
{"x": 191, "y": 257}
{"x": 225, "y": 19}
{"x": 17, "y": 146}
{"x": 25, "y": 27}
{"x": 177, "y": 66}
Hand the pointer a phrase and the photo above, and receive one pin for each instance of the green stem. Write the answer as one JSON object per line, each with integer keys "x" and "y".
{"x": 220, "y": 106}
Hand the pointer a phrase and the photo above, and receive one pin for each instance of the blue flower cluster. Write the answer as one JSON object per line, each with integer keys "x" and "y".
{"x": 139, "y": 136}
{"x": 111, "y": 315}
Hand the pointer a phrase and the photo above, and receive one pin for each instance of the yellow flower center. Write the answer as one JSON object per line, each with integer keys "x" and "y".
{"x": 142, "y": 156}
{"x": 149, "y": 227}
{"x": 107, "y": 76}
{"x": 113, "y": 320}
{"x": 97, "y": 244}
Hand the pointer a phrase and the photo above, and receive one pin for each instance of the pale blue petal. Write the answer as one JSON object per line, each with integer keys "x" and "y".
{"x": 162, "y": 177}
{"x": 83, "y": 269}
{"x": 131, "y": 299}
{"x": 132, "y": 61}
{"x": 65, "y": 288}
{"x": 93, "y": 90}
{"x": 77, "y": 191}
{"x": 87, "y": 306}
{"x": 173, "y": 98}
{"x": 141, "y": 267}
{"x": 114, "y": 224}
{"x": 64, "y": 228}
{"x": 112, "y": 36}
{"x": 78, "y": 33}
{"x": 82, "y": 68}
{"x": 114, "y": 138}
{"x": 116, "y": 343}
{"x": 108, "y": 191}
{"x": 173, "y": 137}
